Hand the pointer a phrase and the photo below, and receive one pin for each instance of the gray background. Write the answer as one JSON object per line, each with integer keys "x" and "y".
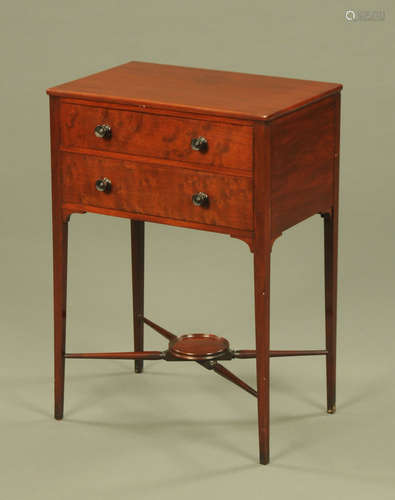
{"x": 178, "y": 430}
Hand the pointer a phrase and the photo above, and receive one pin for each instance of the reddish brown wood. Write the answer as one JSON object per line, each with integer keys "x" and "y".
{"x": 250, "y": 353}
{"x": 303, "y": 146}
{"x": 244, "y": 354}
{"x": 331, "y": 253}
{"x": 156, "y": 111}
{"x": 198, "y": 346}
{"x": 214, "y": 169}
{"x": 138, "y": 356}
{"x": 310, "y": 352}
{"x": 157, "y": 190}
{"x": 168, "y": 335}
{"x": 272, "y": 162}
{"x": 70, "y": 208}
{"x": 137, "y": 243}
{"x": 157, "y": 136}
{"x": 59, "y": 238}
{"x": 194, "y": 90}
{"x": 263, "y": 242}
{"x": 224, "y": 372}
{"x": 247, "y": 238}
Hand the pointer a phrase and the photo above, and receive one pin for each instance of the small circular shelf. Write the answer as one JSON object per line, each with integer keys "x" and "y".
{"x": 198, "y": 347}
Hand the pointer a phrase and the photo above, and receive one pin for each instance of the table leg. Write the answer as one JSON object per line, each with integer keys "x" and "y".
{"x": 60, "y": 236}
{"x": 262, "y": 331}
{"x": 330, "y": 243}
{"x": 137, "y": 239}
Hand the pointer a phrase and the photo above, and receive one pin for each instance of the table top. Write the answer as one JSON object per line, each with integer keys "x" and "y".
{"x": 204, "y": 91}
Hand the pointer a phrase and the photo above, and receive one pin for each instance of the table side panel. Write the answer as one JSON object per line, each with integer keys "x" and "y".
{"x": 303, "y": 146}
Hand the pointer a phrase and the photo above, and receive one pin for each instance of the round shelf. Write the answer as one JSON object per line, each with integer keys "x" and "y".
{"x": 198, "y": 346}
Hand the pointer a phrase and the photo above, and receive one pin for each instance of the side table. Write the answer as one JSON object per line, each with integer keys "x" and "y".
{"x": 241, "y": 154}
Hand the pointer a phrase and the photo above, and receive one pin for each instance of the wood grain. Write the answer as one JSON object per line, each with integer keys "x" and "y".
{"x": 137, "y": 237}
{"x": 60, "y": 243}
{"x": 157, "y": 136}
{"x": 161, "y": 191}
{"x": 331, "y": 230}
{"x": 138, "y": 356}
{"x": 272, "y": 161}
{"x": 262, "y": 248}
{"x": 199, "y": 91}
{"x": 303, "y": 148}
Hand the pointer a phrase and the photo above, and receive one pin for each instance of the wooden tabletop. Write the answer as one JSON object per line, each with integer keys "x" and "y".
{"x": 222, "y": 93}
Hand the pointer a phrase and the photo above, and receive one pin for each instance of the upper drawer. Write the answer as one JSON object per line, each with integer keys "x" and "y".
{"x": 159, "y": 136}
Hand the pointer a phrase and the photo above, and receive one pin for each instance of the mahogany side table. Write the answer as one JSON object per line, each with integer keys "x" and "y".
{"x": 241, "y": 154}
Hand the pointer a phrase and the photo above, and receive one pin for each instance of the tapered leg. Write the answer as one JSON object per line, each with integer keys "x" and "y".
{"x": 60, "y": 233}
{"x": 137, "y": 236}
{"x": 262, "y": 329}
{"x": 331, "y": 238}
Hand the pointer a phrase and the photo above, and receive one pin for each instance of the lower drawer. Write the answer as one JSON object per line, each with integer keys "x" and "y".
{"x": 156, "y": 190}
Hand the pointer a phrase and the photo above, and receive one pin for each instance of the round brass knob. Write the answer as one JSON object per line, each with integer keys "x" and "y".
{"x": 200, "y": 199}
{"x": 103, "y": 131}
{"x": 199, "y": 144}
{"x": 103, "y": 185}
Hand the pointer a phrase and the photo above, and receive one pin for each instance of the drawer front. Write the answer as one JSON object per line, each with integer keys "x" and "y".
{"x": 157, "y": 190}
{"x": 151, "y": 135}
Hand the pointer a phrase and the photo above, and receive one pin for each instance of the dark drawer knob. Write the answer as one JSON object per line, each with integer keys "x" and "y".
{"x": 103, "y": 131}
{"x": 200, "y": 199}
{"x": 199, "y": 144}
{"x": 103, "y": 185}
